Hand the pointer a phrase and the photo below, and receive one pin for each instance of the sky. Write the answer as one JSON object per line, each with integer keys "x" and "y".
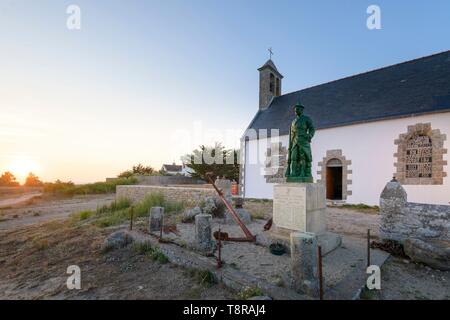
{"x": 148, "y": 81}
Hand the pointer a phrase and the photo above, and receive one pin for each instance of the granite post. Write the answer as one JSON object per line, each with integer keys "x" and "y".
{"x": 203, "y": 239}
{"x": 304, "y": 263}
{"x": 156, "y": 218}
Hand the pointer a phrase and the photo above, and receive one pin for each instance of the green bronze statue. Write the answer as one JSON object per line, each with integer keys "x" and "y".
{"x": 299, "y": 152}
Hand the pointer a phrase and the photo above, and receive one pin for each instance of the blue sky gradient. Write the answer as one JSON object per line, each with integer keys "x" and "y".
{"x": 83, "y": 105}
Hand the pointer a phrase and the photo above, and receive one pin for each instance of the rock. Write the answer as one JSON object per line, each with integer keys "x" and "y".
{"x": 260, "y": 298}
{"x": 203, "y": 238}
{"x": 117, "y": 240}
{"x": 189, "y": 215}
{"x": 210, "y": 206}
{"x": 156, "y": 219}
{"x": 243, "y": 214}
{"x": 238, "y": 202}
{"x": 434, "y": 253}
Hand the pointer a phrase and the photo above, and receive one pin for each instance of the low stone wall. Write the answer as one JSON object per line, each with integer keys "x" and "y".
{"x": 165, "y": 180}
{"x": 190, "y": 195}
{"x": 401, "y": 220}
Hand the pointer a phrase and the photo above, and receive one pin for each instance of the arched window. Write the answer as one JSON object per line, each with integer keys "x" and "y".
{"x": 272, "y": 83}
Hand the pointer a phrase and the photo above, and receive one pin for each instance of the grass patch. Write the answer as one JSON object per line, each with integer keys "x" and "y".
{"x": 361, "y": 207}
{"x": 153, "y": 253}
{"x": 249, "y": 292}
{"x": 70, "y": 189}
{"x": 121, "y": 204}
{"x": 204, "y": 278}
{"x": 40, "y": 244}
{"x": 256, "y": 214}
{"x": 118, "y": 212}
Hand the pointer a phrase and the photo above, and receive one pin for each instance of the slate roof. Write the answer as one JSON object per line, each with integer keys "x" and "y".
{"x": 410, "y": 88}
{"x": 172, "y": 167}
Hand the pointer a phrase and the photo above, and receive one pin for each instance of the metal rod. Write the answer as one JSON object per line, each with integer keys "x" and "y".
{"x": 131, "y": 217}
{"x": 319, "y": 249}
{"x": 235, "y": 216}
{"x": 368, "y": 247}
{"x": 161, "y": 229}
{"x": 219, "y": 260}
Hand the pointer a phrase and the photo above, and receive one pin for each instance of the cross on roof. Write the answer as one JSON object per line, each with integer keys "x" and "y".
{"x": 270, "y": 53}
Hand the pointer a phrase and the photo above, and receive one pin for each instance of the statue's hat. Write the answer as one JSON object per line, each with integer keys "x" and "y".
{"x": 300, "y": 105}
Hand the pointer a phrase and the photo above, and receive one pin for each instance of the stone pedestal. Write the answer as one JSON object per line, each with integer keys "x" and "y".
{"x": 301, "y": 207}
{"x": 304, "y": 263}
{"x": 203, "y": 238}
{"x": 156, "y": 219}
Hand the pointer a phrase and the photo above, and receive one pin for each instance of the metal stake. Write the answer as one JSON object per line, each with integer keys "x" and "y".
{"x": 219, "y": 259}
{"x": 320, "y": 273}
{"x": 131, "y": 217}
{"x": 161, "y": 229}
{"x": 368, "y": 247}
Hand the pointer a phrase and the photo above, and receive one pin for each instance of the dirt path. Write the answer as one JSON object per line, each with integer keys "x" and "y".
{"x": 16, "y": 200}
{"x": 44, "y": 210}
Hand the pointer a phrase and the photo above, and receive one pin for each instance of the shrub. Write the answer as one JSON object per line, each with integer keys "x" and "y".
{"x": 153, "y": 253}
{"x": 249, "y": 292}
{"x": 70, "y": 189}
{"x": 203, "y": 277}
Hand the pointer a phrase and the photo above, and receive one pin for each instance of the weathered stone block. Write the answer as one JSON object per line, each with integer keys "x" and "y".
{"x": 304, "y": 263}
{"x": 156, "y": 218}
{"x": 435, "y": 253}
{"x": 203, "y": 239}
{"x": 300, "y": 207}
{"x": 242, "y": 213}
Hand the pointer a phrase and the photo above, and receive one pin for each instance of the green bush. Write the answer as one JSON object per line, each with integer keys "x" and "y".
{"x": 203, "y": 277}
{"x": 118, "y": 211}
{"x": 123, "y": 203}
{"x": 70, "y": 189}
{"x": 157, "y": 200}
{"x": 249, "y": 292}
{"x": 153, "y": 253}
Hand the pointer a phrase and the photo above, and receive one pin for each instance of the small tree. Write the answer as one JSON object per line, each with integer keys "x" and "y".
{"x": 219, "y": 161}
{"x": 144, "y": 170}
{"x": 33, "y": 181}
{"x": 8, "y": 180}
{"x": 139, "y": 169}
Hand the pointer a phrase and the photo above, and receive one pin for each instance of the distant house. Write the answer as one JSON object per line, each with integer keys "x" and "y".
{"x": 174, "y": 169}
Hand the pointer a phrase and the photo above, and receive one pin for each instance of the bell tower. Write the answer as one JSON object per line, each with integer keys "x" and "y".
{"x": 269, "y": 83}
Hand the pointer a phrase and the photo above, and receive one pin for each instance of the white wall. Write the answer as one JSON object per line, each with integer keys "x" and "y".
{"x": 370, "y": 147}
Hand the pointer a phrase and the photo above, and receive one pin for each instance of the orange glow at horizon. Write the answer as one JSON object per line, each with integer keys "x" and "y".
{"x": 21, "y": 166}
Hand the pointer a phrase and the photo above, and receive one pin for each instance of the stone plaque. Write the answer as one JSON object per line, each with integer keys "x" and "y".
{"x": 289, "y": 206}
{"x": 419, "y": 157}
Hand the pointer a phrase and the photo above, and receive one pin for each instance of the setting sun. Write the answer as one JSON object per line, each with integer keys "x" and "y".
{"x": 22, "y": 166}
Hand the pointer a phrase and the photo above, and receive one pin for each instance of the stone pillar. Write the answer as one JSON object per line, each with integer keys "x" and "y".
{"x": 203, "y": 240}
{"x": 393, "y": 200}
{"x": 156, "y": 218}
{"x": 304, "y": 263}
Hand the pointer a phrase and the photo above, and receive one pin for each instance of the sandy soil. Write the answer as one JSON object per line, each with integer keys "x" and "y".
{"x": 34, "y": 261}
{"x": 40, "y": 209}
{"x": 38, "y": 243}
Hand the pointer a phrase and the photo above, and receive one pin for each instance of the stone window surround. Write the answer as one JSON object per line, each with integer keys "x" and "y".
{"x": 346, "y": 182}
{"x": 438, "y": 151}
{"x": 278, "y": 177}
